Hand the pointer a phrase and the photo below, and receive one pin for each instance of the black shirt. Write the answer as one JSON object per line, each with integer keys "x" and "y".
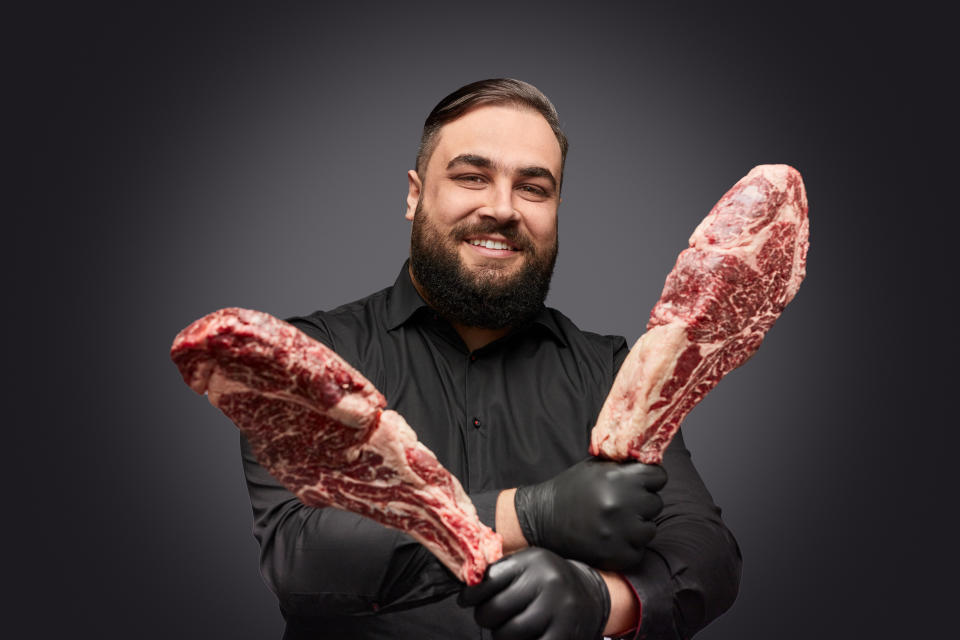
{"x": 514, "y": 412}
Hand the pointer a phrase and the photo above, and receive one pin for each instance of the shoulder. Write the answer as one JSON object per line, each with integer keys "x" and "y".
{"x": 346, "y": 324}
{"x": 605, "y": 350}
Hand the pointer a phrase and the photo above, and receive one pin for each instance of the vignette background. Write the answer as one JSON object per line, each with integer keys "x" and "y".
{"x": 171, "y": 159}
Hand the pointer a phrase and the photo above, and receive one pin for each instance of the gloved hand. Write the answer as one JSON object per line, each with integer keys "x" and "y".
{"x": 537, "y": 594}
{"x": 597, "y": 511}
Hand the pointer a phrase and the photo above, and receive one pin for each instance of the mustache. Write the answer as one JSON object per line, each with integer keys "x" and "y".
{"x": 510, "y": 231}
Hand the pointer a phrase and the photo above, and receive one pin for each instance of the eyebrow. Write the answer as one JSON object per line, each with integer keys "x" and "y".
{"x": 483, "y": 162}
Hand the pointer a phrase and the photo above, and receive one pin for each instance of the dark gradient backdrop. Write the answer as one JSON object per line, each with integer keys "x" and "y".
{"x": 174, "y": 159}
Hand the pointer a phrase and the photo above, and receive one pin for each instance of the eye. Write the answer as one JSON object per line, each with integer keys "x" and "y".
{"x": 470, "y": 179}
{"x": 534, "y": 191}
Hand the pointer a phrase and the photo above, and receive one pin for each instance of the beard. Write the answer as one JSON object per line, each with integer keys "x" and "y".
{"x": 488, "y": 298}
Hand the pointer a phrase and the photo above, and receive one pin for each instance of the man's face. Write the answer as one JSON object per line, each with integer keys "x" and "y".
{"x": 485, "y": 214}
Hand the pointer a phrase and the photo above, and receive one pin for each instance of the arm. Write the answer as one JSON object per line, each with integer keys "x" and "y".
{"x": 687, "y": 575}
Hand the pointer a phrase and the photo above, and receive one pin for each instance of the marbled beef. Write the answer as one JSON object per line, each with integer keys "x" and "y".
{"x": 745, "y": 263}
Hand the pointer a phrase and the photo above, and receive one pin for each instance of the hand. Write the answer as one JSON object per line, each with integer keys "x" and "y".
{"x": 537, "y": 594}
{"x": 597, "y": 511}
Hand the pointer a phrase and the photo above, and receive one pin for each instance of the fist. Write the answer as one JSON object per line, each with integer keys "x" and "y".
{"x": 598, "y": 512}
{"x": 536, "y": 594}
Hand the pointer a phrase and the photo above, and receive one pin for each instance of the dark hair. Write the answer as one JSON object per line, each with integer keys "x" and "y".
{"x": 488, "y": 92}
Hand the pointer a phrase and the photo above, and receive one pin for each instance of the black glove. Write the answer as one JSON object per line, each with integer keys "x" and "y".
{"x": 537, "y": 594}
{"x": 597, "y": 511}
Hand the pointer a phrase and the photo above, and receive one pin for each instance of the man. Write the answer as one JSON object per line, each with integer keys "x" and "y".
{"x": 504, "y": 391}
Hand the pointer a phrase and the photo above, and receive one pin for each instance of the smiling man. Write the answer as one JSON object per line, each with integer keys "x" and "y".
{"x": 484, "y": 237}
{"x": 505, "y": 391}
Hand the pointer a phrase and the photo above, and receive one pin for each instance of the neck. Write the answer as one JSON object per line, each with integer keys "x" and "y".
{"x": 477, "y": 337}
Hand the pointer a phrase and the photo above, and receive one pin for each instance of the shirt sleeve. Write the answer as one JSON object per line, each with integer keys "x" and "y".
{"x": 690, "y": 573}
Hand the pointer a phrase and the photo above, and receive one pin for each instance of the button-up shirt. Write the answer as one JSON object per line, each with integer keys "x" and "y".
{"x": 515, "y": 412}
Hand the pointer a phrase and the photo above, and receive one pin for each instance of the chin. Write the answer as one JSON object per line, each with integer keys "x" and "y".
{"x": 495, "y": 271}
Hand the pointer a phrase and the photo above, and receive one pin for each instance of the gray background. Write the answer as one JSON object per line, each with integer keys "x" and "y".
{"x": 169, "y": 160}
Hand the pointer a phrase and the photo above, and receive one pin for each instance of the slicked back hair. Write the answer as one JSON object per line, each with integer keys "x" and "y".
{"x": 495, "y": 91}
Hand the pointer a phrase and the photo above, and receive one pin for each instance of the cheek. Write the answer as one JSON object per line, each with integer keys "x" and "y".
{"x": 543, "y": 226}
{"x": 449, "y": 206}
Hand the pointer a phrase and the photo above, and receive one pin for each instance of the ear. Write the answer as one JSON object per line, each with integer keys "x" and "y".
{"x": 414, "y": 185}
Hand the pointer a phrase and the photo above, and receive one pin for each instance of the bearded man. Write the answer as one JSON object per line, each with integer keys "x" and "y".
{"x": 504, "y": 390}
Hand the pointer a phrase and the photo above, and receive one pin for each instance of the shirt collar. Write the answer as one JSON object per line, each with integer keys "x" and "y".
{"x": 547, "y": 320}
{"x": 405, "y": 301}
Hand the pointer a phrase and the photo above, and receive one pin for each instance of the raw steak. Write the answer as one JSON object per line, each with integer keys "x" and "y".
{"x": 745, "y": 263}
{"x": 321, "y": 429}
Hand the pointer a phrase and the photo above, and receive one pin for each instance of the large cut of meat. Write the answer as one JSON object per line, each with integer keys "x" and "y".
{"x": 321, "y": 429}
{"x": 744, "y": 264}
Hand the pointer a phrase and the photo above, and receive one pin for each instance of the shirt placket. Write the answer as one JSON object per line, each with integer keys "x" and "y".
{"x": 476, "y": 429}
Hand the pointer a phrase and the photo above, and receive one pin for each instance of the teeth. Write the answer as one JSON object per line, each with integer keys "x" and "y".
{"x": 491, "y": 244}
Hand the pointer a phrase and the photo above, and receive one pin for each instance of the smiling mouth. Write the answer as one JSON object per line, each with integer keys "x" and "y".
{"x": 492, "y": 244}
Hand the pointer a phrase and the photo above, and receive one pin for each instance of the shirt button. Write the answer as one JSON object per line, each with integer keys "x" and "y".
{"x": 473, "y": 358}
{"x": 476, "y": 422}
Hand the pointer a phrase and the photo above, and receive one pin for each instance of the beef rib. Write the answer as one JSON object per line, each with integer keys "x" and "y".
{"x": 745, "y": 263}
{"x": 320, "y": 428}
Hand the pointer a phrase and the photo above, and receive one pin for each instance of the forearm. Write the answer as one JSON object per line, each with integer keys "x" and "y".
{"x": 508, "y": 525}
{"x": 624, "y": 605}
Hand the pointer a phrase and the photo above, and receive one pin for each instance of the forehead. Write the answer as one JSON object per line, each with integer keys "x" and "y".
{"x": 512, "y": 136}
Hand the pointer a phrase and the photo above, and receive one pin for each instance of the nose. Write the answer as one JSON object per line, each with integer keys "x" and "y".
{"x": 500, "y": 204}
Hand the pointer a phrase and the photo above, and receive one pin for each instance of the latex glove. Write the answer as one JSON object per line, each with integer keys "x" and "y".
{"x": 597, "y": 511}
{"x": 537, "y": 594}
